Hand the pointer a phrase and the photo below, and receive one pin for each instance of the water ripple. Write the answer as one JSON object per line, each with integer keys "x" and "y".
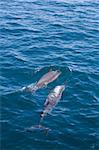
{"x": 36, "y": 36}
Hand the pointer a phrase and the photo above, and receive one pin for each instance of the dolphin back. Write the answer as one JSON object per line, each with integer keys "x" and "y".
{"x": 49, "y": 77}
{"x": 52, "y": 99}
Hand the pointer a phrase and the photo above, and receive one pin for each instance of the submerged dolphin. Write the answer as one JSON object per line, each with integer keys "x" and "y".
{"x": 52, "y": 99}
{"x": 44, "y": 80}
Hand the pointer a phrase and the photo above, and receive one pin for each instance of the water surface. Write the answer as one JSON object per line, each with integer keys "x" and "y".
{"x": 36, "y": 36}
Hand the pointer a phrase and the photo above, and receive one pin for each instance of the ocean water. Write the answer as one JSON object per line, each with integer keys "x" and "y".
{"x": 35, "y": 36}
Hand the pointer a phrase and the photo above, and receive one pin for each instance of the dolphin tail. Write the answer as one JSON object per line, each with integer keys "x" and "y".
{"x": 38, "y": 128}
{"x": 29, "y": 88}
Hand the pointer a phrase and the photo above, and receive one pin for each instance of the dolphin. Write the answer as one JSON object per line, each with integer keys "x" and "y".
{"x": 43, "y": 81}
{"x": 52, "y": 99}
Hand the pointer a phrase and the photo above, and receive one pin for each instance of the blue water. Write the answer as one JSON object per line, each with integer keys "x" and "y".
{"x": 36, "y": 35}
